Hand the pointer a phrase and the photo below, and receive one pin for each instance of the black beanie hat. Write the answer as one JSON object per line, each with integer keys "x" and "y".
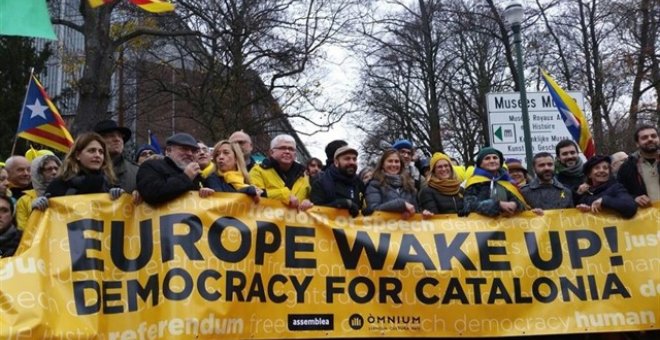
{"x": 332, "y": 147}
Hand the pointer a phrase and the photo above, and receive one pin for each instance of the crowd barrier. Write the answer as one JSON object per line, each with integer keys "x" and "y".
{"x": 225, "y": 267}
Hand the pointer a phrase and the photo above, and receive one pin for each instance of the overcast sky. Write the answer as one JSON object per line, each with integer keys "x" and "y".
{"x": 342, "y": 73}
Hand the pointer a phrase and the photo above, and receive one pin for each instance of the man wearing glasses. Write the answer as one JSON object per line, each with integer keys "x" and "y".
{"x": 245, "y": 142}
{"x": 405, "y": 148}
{"x": 281, "y": 177}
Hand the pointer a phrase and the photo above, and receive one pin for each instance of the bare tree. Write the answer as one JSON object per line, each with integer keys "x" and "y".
{"x": 101, "y": 42}
{"x": 402, "y": 69}
{"x": 249, "y": 52}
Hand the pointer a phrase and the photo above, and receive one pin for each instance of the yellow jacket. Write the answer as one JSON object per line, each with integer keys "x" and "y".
{"x": 24, "y": 208}
{"x": 266, "y": 177}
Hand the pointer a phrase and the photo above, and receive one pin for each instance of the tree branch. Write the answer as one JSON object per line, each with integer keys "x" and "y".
{"x": 153, "y": 32}
{"x": 69, "y": 24}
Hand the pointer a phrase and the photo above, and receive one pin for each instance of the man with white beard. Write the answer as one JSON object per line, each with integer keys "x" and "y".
{"x": 639, "y": 173}
{"x": 162, "y": 180}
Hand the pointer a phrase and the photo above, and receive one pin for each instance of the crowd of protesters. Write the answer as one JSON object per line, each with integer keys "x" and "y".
{"x": 398, "y": 183}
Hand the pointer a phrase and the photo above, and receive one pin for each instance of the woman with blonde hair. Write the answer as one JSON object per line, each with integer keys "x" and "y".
{"x": 443, "y": 193}
{"x": 230, "y": 173}
{"x": 86, "y": 169}
{"x": 391, "y": 188}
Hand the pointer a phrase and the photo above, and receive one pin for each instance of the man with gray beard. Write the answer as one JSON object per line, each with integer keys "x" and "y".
{"x": 545, "y": 191}
{"x": 162, "y": 180}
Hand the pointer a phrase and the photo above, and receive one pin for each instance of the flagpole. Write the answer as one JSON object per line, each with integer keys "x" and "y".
{"x": 20, "y": 116}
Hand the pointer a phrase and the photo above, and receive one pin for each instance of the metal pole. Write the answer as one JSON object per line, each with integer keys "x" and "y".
{"x": 527, "y": 134}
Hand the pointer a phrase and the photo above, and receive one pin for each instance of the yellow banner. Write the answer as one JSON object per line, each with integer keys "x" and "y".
{"x": 225, "y": 267}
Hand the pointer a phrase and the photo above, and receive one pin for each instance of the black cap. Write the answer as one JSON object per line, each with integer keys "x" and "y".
{"x": 593, "y": 161}
{"x": 332, "y": 147}
{"x": 183, "y": 139}
{"x": 110, "y": 125}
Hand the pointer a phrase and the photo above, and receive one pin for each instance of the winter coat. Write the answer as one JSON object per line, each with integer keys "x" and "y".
{"x": 85, "y": 182}
{"x": 9, "y": 241}
{"x": 24, "y": 208}
{"x": 478, "y": 199}
{"x": 161, "y": 180}
{"x": 218, "y": 183}
{"x": 615, "y": 197}
{"x": 334, "y": 189}
{"x": 438, "y": 203}
{"x": 547, "y": 196}
{"x": 630, "y": 177}
{"x": 279, "y": 184}
{"x": 126, "y": 173}
{"x": 388, "y": 198}
{"x": 571, "y": 182}
{"x": 24, "y": 204}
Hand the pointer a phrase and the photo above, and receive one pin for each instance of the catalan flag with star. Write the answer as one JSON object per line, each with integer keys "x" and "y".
{"x": 41, "y": 121}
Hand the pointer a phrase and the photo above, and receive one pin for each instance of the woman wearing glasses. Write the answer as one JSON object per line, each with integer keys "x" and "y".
{"x": 44, "y": 169}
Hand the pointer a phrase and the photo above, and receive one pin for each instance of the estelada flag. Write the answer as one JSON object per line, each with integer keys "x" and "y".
{"x": 154, "y": 6}
{"x": 41, "y": 121}
{"x": 575, "y": 121}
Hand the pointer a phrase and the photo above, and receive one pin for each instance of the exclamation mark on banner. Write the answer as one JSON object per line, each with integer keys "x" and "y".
{"x": 613, "y": 241}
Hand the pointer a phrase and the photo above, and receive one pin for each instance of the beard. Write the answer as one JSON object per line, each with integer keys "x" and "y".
{"x": 348, "y": 170}
{"x": 546, "y": 176}
{"x": 650, "y": 148}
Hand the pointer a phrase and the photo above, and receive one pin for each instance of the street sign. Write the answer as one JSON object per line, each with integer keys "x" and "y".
{"x": 546, "y": 125}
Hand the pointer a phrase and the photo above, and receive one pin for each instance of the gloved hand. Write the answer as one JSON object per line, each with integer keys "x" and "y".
{"x": 115, "y": 193}
{"x": 40, "y": 203}
{"x": 353, "y": 209}
{"x": 250, "y": 191}
{"x": 464, "y": 212}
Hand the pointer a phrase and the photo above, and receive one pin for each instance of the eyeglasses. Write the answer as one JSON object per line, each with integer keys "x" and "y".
{"x": 146, "y": 153}
{"x": 285, "y": 148}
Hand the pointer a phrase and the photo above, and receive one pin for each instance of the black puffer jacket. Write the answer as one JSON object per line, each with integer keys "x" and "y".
{"x": 438, "y": 203}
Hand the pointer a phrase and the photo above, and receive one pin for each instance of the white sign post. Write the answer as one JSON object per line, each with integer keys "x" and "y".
{"x": 546, "y": 125}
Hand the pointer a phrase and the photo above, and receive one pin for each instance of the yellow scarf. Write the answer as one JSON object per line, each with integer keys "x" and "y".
{"x": 234, "y": 178}
{"x": 510, "y": 187}
{"x": 449, "y": 187}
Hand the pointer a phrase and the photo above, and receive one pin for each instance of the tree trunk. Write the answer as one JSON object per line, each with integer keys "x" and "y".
{"x": 433, "y": 107}
{"x": 644, "y": 49}
{"x": 95, "y": 85}
{"x": 590, "y": 64}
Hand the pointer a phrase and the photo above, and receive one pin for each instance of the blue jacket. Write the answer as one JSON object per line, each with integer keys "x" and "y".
{"x": 615, "y": 197}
